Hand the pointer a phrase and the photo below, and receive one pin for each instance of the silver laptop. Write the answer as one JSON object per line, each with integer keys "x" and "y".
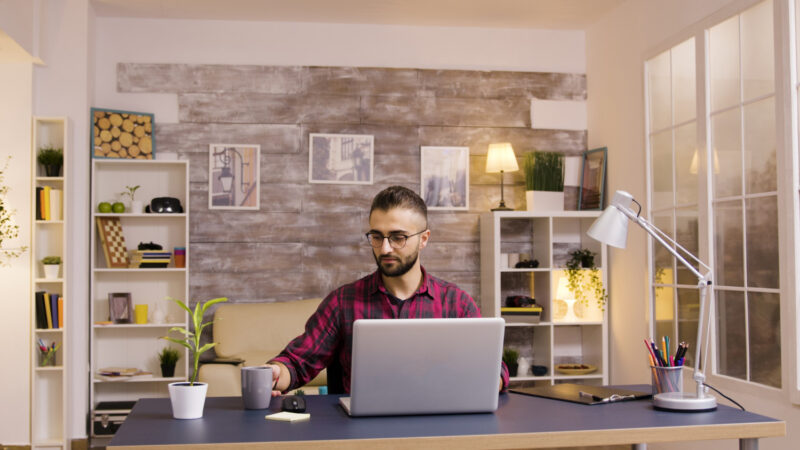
{"x": 425, "y": 366}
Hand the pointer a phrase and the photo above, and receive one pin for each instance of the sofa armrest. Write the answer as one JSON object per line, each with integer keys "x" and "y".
{"x": 232, "y": 361}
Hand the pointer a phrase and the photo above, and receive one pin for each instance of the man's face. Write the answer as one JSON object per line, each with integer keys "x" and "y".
{"x": 395, "y": 262}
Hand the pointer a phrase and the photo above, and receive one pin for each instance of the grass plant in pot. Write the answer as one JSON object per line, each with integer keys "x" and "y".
{"x": 168, "y": 358}
{"x": 51, "y": 265}
{"x": 51, "y": 158}
{"x": 189, "y": 397}
{"x": 510, "y": 357}
{"x": 544, "y": 181}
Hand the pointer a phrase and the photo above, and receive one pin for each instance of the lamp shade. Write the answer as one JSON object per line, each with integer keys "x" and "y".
{"x": 611, "y": 228}
{"x": 501, "y": 158}
{"x": 562, "y": 291}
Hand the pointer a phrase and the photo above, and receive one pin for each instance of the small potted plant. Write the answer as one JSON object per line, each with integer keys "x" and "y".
{"x": 188, "y": 397}
{"x": 135, "y": 206}
{"x": 544, "y": 181}
{"x": 510, "y": 357}
{"x": 51, "y": 158}
{"x": 168, "y": 358}
{"x": 51, "y": 266}
{"x": 583, "y": 277}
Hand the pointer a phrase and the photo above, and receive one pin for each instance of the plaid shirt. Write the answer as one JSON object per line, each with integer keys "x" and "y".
{"x": 329, "y": 331}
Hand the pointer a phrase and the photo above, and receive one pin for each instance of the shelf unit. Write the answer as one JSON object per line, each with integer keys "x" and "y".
{"x": 554, "y": 339}
{"x": 131, "y": 344}
{"x": 48, "y": 237}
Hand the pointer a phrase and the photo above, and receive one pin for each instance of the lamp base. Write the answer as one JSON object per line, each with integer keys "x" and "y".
{"x": 502, "y": 208}
{"x": 681, "y": 401}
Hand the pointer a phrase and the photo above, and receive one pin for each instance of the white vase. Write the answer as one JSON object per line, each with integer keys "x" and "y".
{"x": 523, "y": 366}
{"x": 51, "y": 271}
{"x": 544, "y": 201}
{"x": 187, "y": 401}
{"x": 137, "y": 207}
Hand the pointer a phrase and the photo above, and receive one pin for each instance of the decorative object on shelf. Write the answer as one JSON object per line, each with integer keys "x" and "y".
{"x": 51, "y": 264}
{"x": 164, "y": 205}
{"x": 8, "y": 227}
{"x": 444, "y": 177}
{"x": 113, "y": 241}
{"x": 523, "y": 366}
{"x": 564, "y": 294}
{"x": 134, "y": 206}
{"x": 340, "y": 158}
{"x": 611, "y": 228}
{"x": 158, "y": 315}
{"x": 580, "y": 282}
{"x": 510, "y": 357}
{"x": 168, "y": 358}
{"x": 179, "y": 257}
{"x": 51, "y": 158}
{"x": 575, "y": 369}
{"x": 233, "y": 176}
{"x": 539, "y": 371}
{"x": 520, "y": 301}
{"x": 593, "y": 179}
{"x": 527, "y": 264}
{"x": 501, "y": 159}
{"x": 140, "y": 314}
{"x": 120, "y": 307}
{"x": 188, "y": 398}
{"x": 544, "y": 181}
{"x": 122, "y": 134}
{"x": 47, "y": 353}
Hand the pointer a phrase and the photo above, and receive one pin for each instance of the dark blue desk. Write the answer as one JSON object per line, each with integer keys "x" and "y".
{"x": 520, "y": 422}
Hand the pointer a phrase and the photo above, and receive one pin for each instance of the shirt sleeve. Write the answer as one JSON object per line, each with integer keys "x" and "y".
{"x": 306, "y": 355}
{"x": 470, "y": 309}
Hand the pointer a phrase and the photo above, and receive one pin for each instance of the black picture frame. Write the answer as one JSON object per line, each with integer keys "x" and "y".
{"x": 120, "y": 307}
{"x": 593, "y": 179}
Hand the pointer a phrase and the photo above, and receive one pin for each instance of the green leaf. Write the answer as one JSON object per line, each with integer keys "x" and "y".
{"x": 213, "y": 302}
{"x": 178, "y": 341}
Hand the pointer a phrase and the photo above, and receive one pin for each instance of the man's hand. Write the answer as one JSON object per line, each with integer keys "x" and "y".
{"x": 280, "y": 378}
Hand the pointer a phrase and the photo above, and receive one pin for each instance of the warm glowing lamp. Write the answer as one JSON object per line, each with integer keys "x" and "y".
{"x": 501, "y": 158}
{"x": 564, "y": 293}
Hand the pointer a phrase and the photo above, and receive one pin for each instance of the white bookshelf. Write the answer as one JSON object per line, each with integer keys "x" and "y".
{"x": 546, "y": 237}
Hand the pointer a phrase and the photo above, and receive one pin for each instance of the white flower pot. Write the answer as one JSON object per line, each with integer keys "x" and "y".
{"x": 51, "y": 271}
{"x": 187, "y": 401}
{"x": 137, "y": 207}
{"x": 544, "y": 201}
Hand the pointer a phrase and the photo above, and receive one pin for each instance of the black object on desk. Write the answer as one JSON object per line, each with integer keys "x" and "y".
{"x": 294, "y": 403}
{"x": 581, "y": 393}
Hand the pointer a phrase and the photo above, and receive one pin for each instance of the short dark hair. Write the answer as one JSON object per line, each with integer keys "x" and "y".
{"x": 399, "y": 197}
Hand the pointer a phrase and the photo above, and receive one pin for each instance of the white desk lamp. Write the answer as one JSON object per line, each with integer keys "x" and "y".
{"x": 611, "y": 228}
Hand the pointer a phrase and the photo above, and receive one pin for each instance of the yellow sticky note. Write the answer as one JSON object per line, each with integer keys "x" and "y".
{"x": 286, "y": 416}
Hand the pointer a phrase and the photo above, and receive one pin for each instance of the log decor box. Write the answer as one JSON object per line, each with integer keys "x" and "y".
{"x": 122, "y": 134}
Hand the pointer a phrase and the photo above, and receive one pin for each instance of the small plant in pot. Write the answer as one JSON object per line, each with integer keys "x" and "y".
{"x": 51, "y": 158}
{"x": 168, "y": 358}
{"x": 135, "y": 206}
{"x": 544, "y": 181}
{"x": 51, "y": 265}
{"x": 188, "y": 398}
{"x": 510, "y": 357}
{"x": 583, "y": 277}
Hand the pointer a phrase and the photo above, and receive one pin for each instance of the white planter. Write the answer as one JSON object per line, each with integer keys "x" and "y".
{"x": 137, "y": 207}
{"x": 187, "y": 401}
{"x": 544, "y": 200}
{"x": 51, "y": 271}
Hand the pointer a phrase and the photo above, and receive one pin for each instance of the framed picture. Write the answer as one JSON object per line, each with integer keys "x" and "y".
{"x": 593, "y": 179}
{"x": 122, "y": 134}
{"x": 120, "y": 308}
{"x": 233, "y": 176}
{"x": 340, "y": 158}
{"x": 444, "y": 177}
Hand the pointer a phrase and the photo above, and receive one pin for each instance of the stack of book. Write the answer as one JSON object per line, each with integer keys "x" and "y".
{"x": 122, "y": 374}
{"x": 49, "y": 310}
{"x": 48, "y": 203}
{"x": 523, "y": 314}
{"x": 141, "y": 259}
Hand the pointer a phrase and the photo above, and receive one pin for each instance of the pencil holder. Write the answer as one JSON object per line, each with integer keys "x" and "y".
{"x": 47, "y": 358}
{"x": 666, "y": 379}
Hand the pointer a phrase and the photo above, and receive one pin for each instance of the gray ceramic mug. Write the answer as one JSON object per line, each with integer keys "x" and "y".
{"x": 256, "y": 387}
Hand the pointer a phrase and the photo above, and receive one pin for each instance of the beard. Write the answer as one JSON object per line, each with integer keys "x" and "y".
{"x": 399, "y": 267}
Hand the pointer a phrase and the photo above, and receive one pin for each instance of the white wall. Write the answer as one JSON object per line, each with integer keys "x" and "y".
{"x": 617, "y": 47}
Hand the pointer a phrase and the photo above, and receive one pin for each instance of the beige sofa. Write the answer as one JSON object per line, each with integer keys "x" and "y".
{"x": 249, "y": 334}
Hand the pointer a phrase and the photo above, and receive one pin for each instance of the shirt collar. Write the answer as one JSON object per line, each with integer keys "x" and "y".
{"x": 425, "y": 288}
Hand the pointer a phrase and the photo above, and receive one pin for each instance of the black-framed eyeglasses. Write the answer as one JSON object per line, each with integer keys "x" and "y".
{"x": 396, "y": 240}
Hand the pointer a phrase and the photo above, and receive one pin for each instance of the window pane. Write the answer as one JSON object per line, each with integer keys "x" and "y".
{"x": 687, "y": 237}
{"x": 688, "y": 310}
{"x": 724, "y": 64}
{"x": 758, "y": 62}
{"x": 665, "y": 312}
{"x": 731, "y": 339}
{"x": 764, "y": 312}
{"x": 726, "y": 142}
{"x": 661, "y": 159}
{"x": 685, "y": 180}
{"x": 728, "y": 245}
{"x": 683, "y": 81}
{"x": 762, "y": 242}
{"x": 658, "y": 83}
{"x": 759, "y": 146}
{"x": 662, "y": 259}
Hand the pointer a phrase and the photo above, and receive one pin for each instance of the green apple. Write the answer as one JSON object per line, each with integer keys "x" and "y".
{"x": 104, "y": 207}
{"x": 118, "y": 207}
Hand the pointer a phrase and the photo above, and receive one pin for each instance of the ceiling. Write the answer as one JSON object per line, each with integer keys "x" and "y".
{"x": 544, "y": 14}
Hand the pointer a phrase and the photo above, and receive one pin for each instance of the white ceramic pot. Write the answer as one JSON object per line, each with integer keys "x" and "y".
{"x": 51, "y": 271}
{"x": 137, "y": 207}
{"x": 544, "y": 200}
{"x": 187, "y": 401}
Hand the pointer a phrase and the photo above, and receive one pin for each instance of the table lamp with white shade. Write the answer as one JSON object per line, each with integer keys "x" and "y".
{"x": 501, "y": 158}
{"x": 611, "y": 228}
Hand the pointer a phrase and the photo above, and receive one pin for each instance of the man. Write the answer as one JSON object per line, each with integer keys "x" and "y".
{"x": 399, "y": 289}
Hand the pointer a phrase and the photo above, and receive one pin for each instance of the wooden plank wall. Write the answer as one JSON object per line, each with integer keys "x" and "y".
{"x": 307, "y": 239}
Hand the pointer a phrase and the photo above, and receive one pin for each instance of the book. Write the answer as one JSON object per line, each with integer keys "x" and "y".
{"x": 46, "y": 199}
{"x": 39, "y": 190}
{"x": 56, "y": 210}
{"x": 54, "y": 310}
{"x": 61, "y": 310}
{"x": 47, "y": 311}
{"x": 41, "y": 317}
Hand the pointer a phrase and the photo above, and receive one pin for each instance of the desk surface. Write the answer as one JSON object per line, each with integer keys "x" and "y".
{"x": 521, "y": 421}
